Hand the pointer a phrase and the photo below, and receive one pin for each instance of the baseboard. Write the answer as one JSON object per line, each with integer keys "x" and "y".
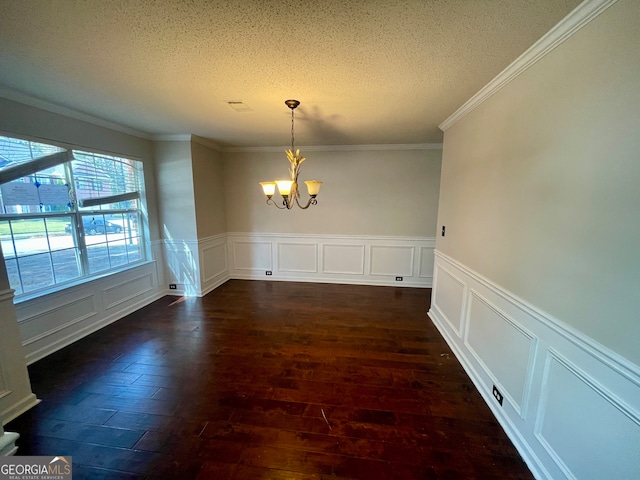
{"x": 8, "y": 443}
{"x": 18, "y": 408}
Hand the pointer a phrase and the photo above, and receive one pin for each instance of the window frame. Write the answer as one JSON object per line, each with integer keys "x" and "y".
{"x": 77, "y": 212}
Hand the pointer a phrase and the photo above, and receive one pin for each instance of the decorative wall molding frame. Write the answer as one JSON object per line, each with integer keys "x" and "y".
{"x": 214, "y": 263}
{"x": 561, "y": 389}
{"x": 53, "y": 321}
{"x": 353, "y": 259}
{"x": 578, "y": 18}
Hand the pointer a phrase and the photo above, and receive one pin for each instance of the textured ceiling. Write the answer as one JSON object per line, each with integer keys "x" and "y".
{"x": 366, "y": 71}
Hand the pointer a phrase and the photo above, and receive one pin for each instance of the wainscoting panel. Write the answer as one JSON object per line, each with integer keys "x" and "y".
{"x": 297, "y": 257}
{"x": 609, "y": 432}
{"x": 426, "y": 263}
{"x": 158, "y": 255}
{"x": 366, "y": 260}
{"x": 571, "y": 406}
{"x": 449, "y": 299}
{"x": 182, "y": 265}
{"x": 248, "y": 255}
{"x": 392, "y": 260}
{"x": 343, "y": 259}
{"x": 503, "y": 348}
{"x": 214, "y": 266}
{"x": 198, "y": 266}
{"x": 50, "y": 322}
{"x": 57, "y": 317}
{"x": 116, "y": 295}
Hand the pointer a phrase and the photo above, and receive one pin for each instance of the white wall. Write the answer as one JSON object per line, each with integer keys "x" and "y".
{"x": 375, "y": 219}
{"x": 537, "y": 276}
{"x": 211, "y": 215}
{"x": 367, "y": 191}
{"x": 208, "y": 187}
{"x": 177, "y": 215}
{"x": 176, "y": 198}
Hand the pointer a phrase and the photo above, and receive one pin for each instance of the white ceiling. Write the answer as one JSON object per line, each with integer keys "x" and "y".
{"x": 366, "y": 71}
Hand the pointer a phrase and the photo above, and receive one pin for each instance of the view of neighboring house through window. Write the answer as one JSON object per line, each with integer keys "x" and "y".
{"x": 66, "y": 215}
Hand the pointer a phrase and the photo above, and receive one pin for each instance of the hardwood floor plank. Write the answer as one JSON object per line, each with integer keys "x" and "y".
{"x": 84, "y": 432}
{"x": 268, "y": 380}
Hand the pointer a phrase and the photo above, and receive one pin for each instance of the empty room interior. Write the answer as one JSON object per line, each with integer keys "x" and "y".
{"x": 316, "y": 240}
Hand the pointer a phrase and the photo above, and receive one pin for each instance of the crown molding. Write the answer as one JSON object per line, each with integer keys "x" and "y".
{"x": 18, "y": 97}
{"x": 206, "y": 142}
{"x": 578, "y": 18}
{"x": 179, "y": 137}
{"x": 338, "y": 148}
{"x": 186, "y": 137}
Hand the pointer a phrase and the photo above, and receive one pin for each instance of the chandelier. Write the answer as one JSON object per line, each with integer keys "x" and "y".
{"x": 288, "y": 189}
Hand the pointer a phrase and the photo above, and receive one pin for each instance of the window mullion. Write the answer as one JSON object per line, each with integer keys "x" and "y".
{"x": 76, "y": 218}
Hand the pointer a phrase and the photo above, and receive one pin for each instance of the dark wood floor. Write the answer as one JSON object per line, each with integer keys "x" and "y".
{"x": 237, "y": 385}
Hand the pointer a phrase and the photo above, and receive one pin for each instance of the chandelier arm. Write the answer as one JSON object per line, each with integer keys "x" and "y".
{"x": 271, "y": 202}
{"x": 312, "y": 201}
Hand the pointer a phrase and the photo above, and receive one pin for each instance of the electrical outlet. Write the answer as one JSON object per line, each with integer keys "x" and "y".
{"x": 497, "y": 395}
{"x": 172, "y": 286}
{"x": 268, "y": 272}
{"x": 398, "y": 279}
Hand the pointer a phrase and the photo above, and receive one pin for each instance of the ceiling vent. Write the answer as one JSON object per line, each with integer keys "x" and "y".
{"x": 238, "y": 106}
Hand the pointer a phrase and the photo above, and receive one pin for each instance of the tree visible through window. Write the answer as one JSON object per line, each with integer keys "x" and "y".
{"x": 66, "y": 214}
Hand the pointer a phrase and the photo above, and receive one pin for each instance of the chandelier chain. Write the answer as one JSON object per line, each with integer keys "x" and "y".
{"x": 292, "y": 130}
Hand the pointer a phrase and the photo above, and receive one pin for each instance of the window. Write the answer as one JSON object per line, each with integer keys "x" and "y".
{"x": 66, "y": 215}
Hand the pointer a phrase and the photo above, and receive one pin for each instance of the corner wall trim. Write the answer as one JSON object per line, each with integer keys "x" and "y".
{"x": 19, "y": 97}
{"x": 578, "y": 18}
